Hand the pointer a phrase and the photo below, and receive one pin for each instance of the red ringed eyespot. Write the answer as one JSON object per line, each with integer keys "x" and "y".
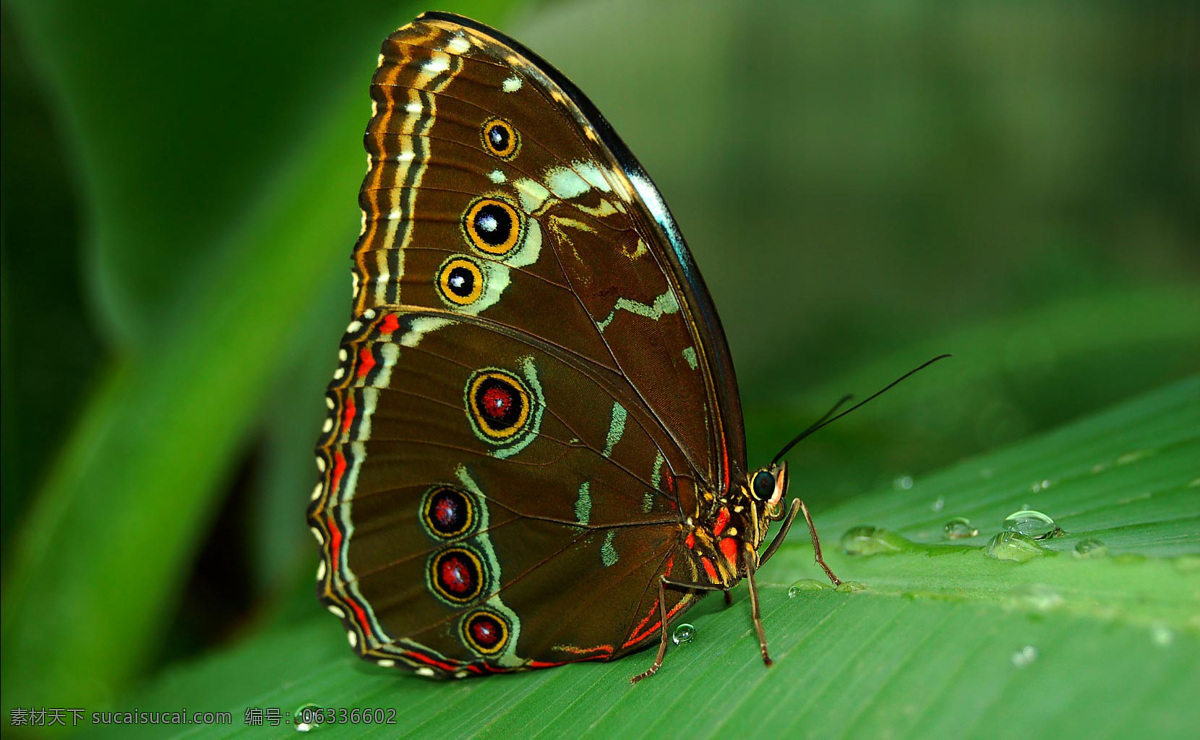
{"x": 457, "y": 574}
{"x": 498, "y": 404}
{"x": 447, "y": 512}
{"x": 485, "y": 631}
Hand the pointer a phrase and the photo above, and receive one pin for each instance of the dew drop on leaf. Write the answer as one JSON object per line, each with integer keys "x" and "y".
{"x": 1090, "y": 548}
{"x": 1161, "y": 634}
{"x": 306, "y": 718}
{"x": 1032, "y": 524}
{"x": 805, "y": 584}
{"x": 1012, "y": 547}
{"x": 1025, "y": 656}
{"x": 683, "y": 633}
{"x": 959, "y": 528}
{"x": 871, "y": 541}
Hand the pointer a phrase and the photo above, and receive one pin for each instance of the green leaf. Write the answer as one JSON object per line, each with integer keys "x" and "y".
{"x": 943, "y": 641}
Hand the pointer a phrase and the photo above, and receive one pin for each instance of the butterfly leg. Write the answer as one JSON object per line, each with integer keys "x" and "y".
{"x": 728, "y": 597}
{"x": 797, "y": 507}
{"x": 755, "y": 613}
{"x": 663, "y": 582}
{"x": 812, "y": 530}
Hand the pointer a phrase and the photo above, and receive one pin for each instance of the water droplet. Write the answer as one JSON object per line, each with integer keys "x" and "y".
{"x": 871, "y": 541}
{"x": 960, "y": 528}
{"x": 902, "y": 482}
{"x": 683, "y": 633}
{"x": 1162, "y": 635}
{"x": 307, "y": 717}
{"x": 856, "y": 539}
{"x": 1025, "y": 656}
{"x": 937, "y": 505}
{"x": 850, "y": 587}
{"x": 1090, "y": 548}
{"x": 806, "y": 584}
{"x": 1033, "y": 524}
{"x": 1037, "y": 597}
{"x": 1012, "y": 547}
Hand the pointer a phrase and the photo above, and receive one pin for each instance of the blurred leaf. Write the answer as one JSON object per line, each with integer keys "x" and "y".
{"x": 46, "y": 378}
{"x": 280, "y": 539}
{"x": 944, "y": 641}
{"x": 187, "y": 122}
{"x": 1023, "y": 372}
{"x": 120, "y": 518}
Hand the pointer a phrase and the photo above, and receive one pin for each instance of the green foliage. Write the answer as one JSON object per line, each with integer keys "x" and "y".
{"x": 943, "y": 640}
{"x": 863, "y": 188}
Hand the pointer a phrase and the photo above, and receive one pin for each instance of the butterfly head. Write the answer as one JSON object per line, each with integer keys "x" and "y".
{"x": 764, "y": 494}
{"x": 768, "y": 487}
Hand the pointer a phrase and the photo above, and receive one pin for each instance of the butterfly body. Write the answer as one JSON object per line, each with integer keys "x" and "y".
{"x": 534, "y": 450}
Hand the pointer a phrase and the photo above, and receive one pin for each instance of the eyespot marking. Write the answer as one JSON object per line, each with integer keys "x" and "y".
{"x": 457, "y": 574}
{"x": 460, "y": 281}
{"x": 448, "y": 513}
{"x": 493, "y": 226}
{"x": 500, "y": 138}
{"x": 485, "y": 631}
{"x": 497, "y": 405}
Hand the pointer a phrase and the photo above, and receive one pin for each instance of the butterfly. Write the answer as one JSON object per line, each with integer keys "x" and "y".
{"x": 534, "y": 450}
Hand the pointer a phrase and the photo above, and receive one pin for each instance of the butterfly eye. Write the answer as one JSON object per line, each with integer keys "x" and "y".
{"x": 500, "y": 138}
{"x": 460, "y": 281}
{"x": 493, "y": 226}
{"x": 763, "y": 485}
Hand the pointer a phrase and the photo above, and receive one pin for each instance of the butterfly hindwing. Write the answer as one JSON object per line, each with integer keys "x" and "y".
{"x": 509, "y": 494}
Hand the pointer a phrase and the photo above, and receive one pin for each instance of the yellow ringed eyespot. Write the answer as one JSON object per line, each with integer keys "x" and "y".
{"x": 460, "y": 281}
{"x": 485, "y": 631}
{"x": 457, "y": 574}
{"x": 447, "y": 512}
{"x": 500, "y": 138}
{"x": 493, "y": 226}
{"x": 498, "y": 404}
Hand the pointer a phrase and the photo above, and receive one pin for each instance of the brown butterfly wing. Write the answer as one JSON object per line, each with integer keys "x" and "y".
{"x": 534, "y": 386}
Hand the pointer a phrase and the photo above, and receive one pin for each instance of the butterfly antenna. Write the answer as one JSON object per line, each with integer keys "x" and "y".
{"x": 814, "y": 427}
{"x": 829, "y": 416}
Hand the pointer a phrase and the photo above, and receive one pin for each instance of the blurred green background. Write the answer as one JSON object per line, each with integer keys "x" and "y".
{"x": 1016, "y": 183}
